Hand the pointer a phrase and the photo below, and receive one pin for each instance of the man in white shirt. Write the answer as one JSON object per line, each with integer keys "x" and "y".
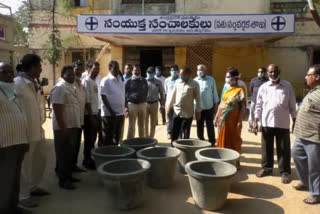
{"x": 113, "y": 105}
{"x": 29, "y": 92}
{"x": 65, "y": 122}
{"x": 13, "y": 141}
{"x": 91, "y": 114}
{"x": 82, "y": 98}
{"x": 162, "y": 79}
{"x": 169, "y": 88}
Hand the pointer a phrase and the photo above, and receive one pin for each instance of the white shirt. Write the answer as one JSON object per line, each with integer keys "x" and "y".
{"x": 32, "y": 102}
{"x": 82, "y": 98}
{"x": 92, "y": 94}
{"x": 64, "y": 93}
{"x": 113, "y": 88}
{"x": 162, "y": 79}
{"x": 12, "y": 123}
{"x": 169, "y": 88}
{"x": 98, "y": 81}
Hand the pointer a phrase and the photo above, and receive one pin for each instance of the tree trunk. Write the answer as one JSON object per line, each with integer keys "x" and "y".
{"x": 53, "y": 39}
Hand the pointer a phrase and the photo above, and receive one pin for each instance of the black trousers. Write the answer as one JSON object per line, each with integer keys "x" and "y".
{"x": 111, "y": 129}
{"x": 207, "y": 116}
{"x": 64, "y": 144}
{"x": 163, "y": 115}
{"x": 181, "y": 126}
{"x": 283, "y": 149}
{"x": 77, "y": 146}
{"x": 11, "y": 158}
{"x": 90, "y": 132}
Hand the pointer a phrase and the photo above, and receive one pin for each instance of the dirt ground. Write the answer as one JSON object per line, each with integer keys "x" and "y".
{"x": 248, "y": 194}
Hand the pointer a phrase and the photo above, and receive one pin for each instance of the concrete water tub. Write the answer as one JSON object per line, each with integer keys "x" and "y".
{"x": 218, "y": 154}
{"x": 163, "y": 165}
{"x": 210, "y": 182}
{"x": 139, "y": 143}
{"x": 124, "y": 181}
{"x": 109, "y": 153}
{"x": 188, "y": 147}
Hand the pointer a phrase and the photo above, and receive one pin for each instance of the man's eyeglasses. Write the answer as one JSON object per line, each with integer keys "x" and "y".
{"x": 311, "y": 74}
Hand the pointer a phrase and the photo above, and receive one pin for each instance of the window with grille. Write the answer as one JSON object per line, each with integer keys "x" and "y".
{"x": 147, "y": 1}
{"x": 197, "y": 55}
{"x": 80, "y": 3}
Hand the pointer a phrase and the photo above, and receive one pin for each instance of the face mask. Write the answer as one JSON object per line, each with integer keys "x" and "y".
{"x": 183, "y": 78}
{"x": 158, "y": 73}
{"x": 200, "y": 73}
{"x": 260, "y": 75}
{"x": 228, "y": 80}
{"x": 150, "y": 76}
{"x": 174, "y": 73}
{"x": 274, "y": 80}
{"x": 127, "y": 76}
{"x": 134, "y": 76}
{"x": 8, "y": 89}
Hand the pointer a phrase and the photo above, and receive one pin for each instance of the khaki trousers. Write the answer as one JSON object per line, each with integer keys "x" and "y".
{"x": 136, "y": 111}
{"x": 152, "y": 116}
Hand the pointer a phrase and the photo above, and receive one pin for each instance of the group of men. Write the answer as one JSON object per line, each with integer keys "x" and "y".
{"x": 273, "y": 101}
{"x": 84, "y": 101}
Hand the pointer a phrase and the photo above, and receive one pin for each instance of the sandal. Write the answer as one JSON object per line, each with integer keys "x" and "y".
{"x": 263, "y": 173}
{"x": 300, "y": 187}
{"x": 29, "y": 203}
{"x": 311, "y": 200}
{"x": 285, "y": 179}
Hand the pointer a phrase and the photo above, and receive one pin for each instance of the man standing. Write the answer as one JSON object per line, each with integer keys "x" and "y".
{"x": 136, "y": 89}
{"x": 127, "y": 72}
{"x": 162, "y": 79}
{"x": 169, "y": 88}
{"x": 65, "y": 123}
{"x": 81, "y": 96}
{"x": 91, "y": 114}
{"x": 306, "y": 148}
{"x": 113, "y": 100}
{"x": 209, "y": 100}
{"x": 29, "y": 92}
{"x": 275, "y": 103}
{"x": 13, "y": 141}
{"x": 254, "y": 87}
{"x": 155, "y": 90}
{"x": 186, "y": 91}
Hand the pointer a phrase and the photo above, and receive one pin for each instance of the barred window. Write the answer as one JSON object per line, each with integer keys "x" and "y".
{"x": 147, "y": 1}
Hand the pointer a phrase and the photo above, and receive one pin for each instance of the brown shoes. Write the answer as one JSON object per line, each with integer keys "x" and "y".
{"x": 300, "y": 187}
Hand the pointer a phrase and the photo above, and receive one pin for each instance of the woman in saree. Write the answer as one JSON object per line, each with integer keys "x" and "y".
{"x": 230, "y": 113}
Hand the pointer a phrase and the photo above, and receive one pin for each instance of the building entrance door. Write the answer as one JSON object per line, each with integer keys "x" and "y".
{"x": 150, "y": 58}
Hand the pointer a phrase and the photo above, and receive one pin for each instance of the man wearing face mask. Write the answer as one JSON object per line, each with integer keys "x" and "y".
{"x": 136, "y": 89}
{"x": 155, "y": 90}
{"x": 254, "y": 87}
{"x": 276, "y": 101}
{"x": 186, "y": 92}
{"x": 209, "y": 100}
{"x": 13, "y": 141}
{"x": 127, "y": 72}
{"x": 169, "y": 88}
{"x": 162, "y": 79}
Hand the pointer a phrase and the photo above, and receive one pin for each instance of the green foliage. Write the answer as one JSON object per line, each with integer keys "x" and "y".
{"x": 22, "y": 17}
{"x": 53, "y": 49}
{"x": 64, "y": 7}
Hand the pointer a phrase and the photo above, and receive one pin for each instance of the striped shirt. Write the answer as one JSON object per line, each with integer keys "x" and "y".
{"x": 64, "y": 93}
{"x": 32, "y": 102}
{"x": 275, "y": 104}
{"x": 12, "y": 122}
{"x": 307, "y": 125}
{"x": 183, "y": 97}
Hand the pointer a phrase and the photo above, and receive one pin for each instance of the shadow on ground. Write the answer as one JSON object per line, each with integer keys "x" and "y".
{"x": 250, "y": 206}
{"x": 256, "y": 190}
